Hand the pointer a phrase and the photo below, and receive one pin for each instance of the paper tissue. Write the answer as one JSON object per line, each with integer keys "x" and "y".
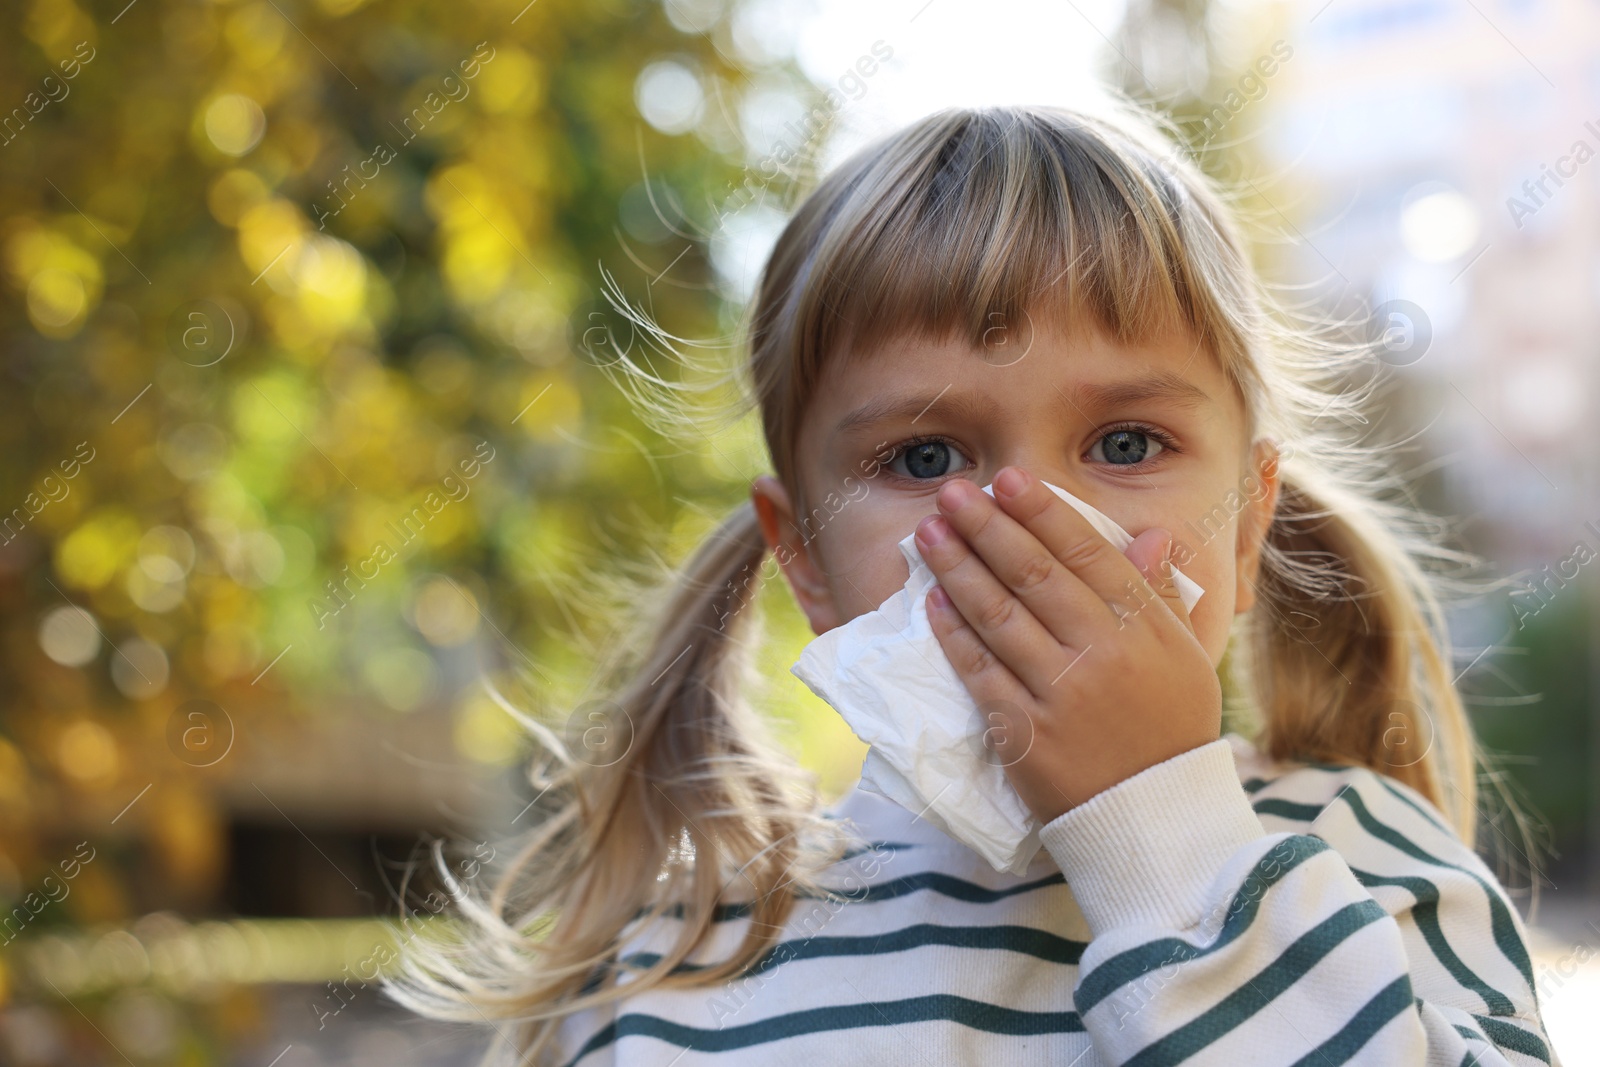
{"x": 886, "y": 674}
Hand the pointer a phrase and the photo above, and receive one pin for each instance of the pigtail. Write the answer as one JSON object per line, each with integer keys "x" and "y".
{"x": 1344, "y": 648}
{"x": 1346, "y": 655}
{"x": 664, "y": 804}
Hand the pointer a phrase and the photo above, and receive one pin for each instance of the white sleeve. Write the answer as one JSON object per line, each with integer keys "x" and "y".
{"x": 1372, "y": 936}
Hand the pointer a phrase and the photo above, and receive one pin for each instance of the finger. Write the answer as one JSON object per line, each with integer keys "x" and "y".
{"x": 1068, "y": 536}
{"x": 998, "y": 619}
{"x": 1072, "y": 612}
{"x": 991, "y": 683}
{"x": 1149, "y": 552}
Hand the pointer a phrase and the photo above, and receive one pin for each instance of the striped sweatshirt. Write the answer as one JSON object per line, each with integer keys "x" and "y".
{"x": 1216, "y": 908}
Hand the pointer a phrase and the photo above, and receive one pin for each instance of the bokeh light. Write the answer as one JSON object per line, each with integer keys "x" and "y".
{"x": 88, "y": 753}
{"x": 70, "y": 636}
{"x": 669, "y": 96}
{"x": 1438, "y": 223}
{"x": 235, "y": 123}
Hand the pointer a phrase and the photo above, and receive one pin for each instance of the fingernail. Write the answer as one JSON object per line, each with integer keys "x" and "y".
{"x": 933, "y": 531}
{"x": 1011, "y": 481}
{"x": 938, "y": 599}
{"x": 955, "y": 494}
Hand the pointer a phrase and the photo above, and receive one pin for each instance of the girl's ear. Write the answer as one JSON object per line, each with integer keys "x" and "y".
{"x": 795, "y": 555}
{"x": 1262, "y": 504}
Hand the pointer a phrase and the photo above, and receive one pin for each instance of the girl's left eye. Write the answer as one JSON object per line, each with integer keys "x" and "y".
{"x": 1128, "y": 446}
{"x": 927, "y": 459}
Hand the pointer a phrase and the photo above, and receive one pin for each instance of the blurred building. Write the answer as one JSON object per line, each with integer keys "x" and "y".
{"x": 1440, "y": 162}
{"x": 1445, "y": 156}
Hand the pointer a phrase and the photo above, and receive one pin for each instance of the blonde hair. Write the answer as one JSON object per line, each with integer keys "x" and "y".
{"x": 963, "y": 219}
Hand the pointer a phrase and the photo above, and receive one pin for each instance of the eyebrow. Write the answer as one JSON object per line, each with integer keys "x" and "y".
{"x": 1165, "y": 386}
{"x": 913, "y": 406}
{"x": 1162, "y": 386}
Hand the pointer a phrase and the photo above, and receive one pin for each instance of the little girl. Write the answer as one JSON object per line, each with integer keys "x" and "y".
{"x": 1016, "y": 296}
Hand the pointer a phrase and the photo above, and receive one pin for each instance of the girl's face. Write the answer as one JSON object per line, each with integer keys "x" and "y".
{"x": 1152, "y": 435}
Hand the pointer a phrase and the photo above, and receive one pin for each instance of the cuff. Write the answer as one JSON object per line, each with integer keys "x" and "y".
{"x": 1146, "y": 851}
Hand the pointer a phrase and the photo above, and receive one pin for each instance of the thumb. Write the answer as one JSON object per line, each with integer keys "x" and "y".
{"x": 1149, "y": 552}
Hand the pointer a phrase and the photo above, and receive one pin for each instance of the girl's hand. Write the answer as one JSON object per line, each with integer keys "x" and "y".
{"x": 1085, "y": 664}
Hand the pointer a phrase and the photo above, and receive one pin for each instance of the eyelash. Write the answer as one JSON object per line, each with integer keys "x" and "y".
{"x": 1166, "y": 440}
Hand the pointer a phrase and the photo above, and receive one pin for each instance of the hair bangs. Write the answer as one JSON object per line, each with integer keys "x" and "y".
{"x": 991, "y": 230}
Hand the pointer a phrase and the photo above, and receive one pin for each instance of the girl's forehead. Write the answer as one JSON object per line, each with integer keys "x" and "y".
{"x": 1045, "y": 352}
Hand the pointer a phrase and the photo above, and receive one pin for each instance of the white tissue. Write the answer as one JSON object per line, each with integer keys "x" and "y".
{"x": 886, "y": 674}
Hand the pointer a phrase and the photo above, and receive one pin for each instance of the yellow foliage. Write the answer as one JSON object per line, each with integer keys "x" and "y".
{"x": 256, "y": 32}
{"x": 486, "y": 732}
{"x": 271, "y": 411}
{"x": 233, "y": 192}
{"x": 513, "y": 84}
{"x": 62, "y": 281}
{"x": 269, "y": 233}
{"x": 56, "y": 25}
{"x": 547, "y": 404}
{"x": 91, "y": 555}
{"x": 87, "y": 752}
{"x": 332, "y": 277}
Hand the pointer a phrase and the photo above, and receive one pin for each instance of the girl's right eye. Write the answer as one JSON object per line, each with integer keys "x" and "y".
{"x": 927, "y": 459}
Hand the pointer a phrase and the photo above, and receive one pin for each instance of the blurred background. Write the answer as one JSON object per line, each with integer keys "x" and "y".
{"x": 306, "y": 452}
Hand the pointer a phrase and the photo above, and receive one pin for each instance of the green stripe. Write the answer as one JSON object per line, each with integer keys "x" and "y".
{"x": 1289, "y": 809}
{"x": 878, "y": 846}
{"x": 1505, "y": 931}
{"x": 937, "y": 1007}
{"x": 1026, "y": 940}
{"x": 933, "y": 881}
{"x": 1425, "y": 913}
{"x": 1414, "y": 806}
{"x": 597, "y": 976}
{"x": 1128, "y": 966}
{"x": 1427, "y": 893}
{"x": 1234, "y": 1010}
{"x": 1255, "y": 785}
{"x": 1390, "y": 1001}
{"x": 1470, "y": 1034}
{"x": 1514, "y": 1038}
{"x": 1332, "y": 767}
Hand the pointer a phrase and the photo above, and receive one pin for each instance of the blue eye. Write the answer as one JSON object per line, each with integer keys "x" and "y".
{"x": 1128, "y": 446}
{"x": 922, "y": 460}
